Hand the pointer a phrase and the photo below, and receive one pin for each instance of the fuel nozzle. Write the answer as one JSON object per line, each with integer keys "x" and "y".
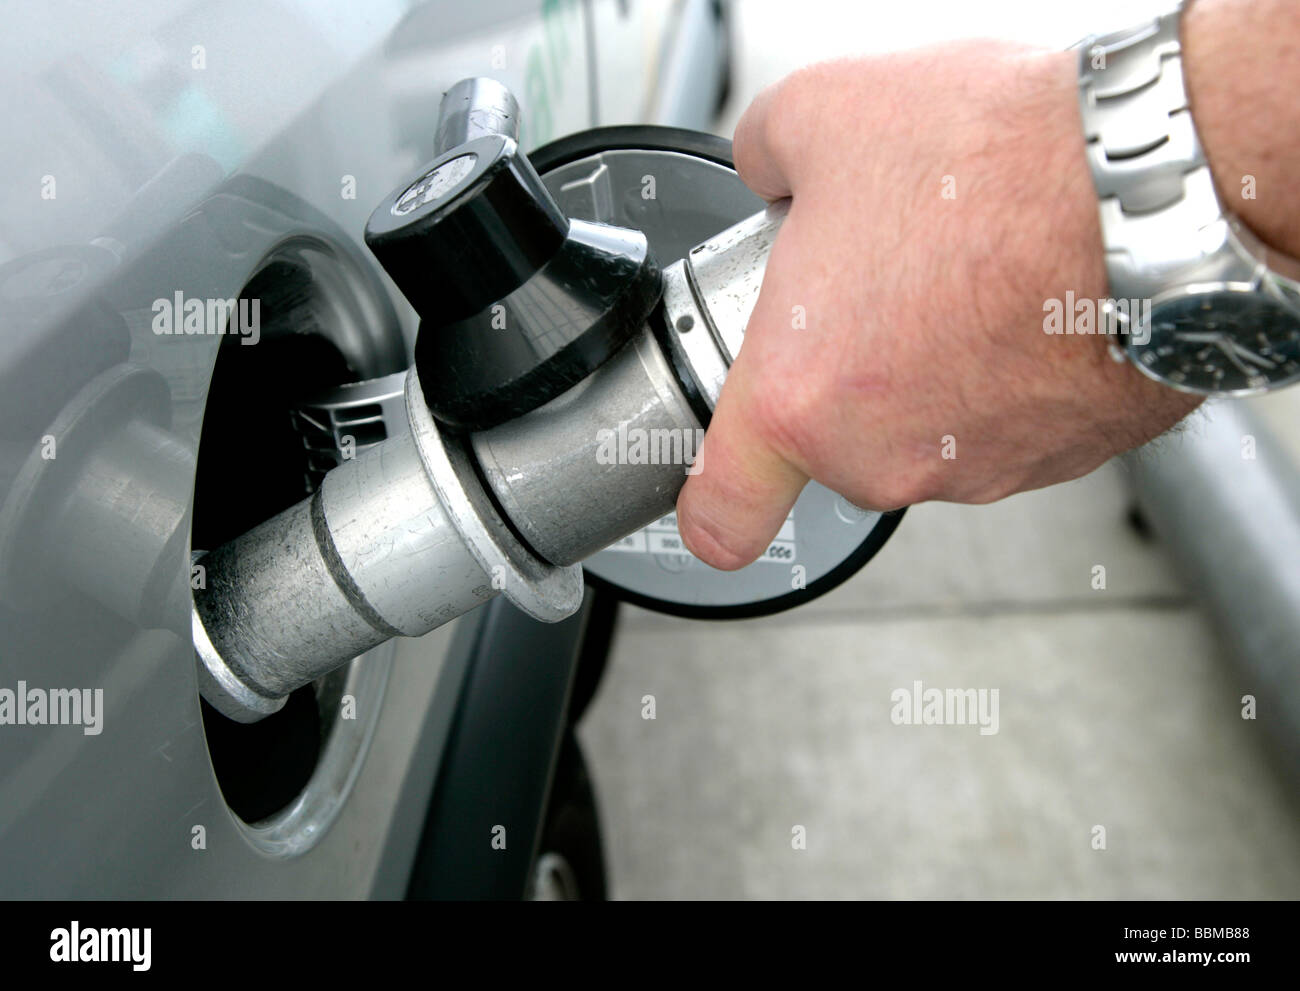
{"x": 540, "y": 336}
{"x": 517, "y": 303}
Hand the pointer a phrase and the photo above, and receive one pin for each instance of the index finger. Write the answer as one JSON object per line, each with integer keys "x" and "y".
{"x": 759, "y": 161}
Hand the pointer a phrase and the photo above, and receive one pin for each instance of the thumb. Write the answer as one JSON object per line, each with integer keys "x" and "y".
{"x": 734, "y": 506}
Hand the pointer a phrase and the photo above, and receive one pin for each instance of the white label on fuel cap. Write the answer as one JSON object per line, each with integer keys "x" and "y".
{"x": 662, "y": 537}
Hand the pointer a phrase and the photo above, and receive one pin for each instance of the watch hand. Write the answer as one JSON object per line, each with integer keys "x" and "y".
{"x": 1199, "y": 336}
{"x": 1250, "y": 355}
{"x": 1227, "y": 350}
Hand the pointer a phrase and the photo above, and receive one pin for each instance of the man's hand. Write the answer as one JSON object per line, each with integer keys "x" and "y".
{"x": 897, "y": 351}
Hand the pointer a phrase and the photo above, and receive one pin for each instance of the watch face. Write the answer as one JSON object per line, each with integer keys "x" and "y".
{"x": 1221, "y": 342}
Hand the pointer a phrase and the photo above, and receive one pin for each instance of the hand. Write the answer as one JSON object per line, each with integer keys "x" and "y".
{"x": 897, "y": 351}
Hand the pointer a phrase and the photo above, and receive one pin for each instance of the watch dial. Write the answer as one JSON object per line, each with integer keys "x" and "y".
{"x": 1221, "y": 342}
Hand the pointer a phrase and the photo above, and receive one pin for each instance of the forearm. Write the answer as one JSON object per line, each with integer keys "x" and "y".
{"x": 1243, "y": 80}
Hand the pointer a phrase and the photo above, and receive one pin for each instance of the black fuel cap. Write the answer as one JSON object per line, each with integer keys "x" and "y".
{"x": 516, "y": 302}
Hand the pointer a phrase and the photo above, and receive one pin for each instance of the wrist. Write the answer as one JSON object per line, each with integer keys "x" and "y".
{"x": 1138, "y": 407}
{"x": 1238, "y": 65}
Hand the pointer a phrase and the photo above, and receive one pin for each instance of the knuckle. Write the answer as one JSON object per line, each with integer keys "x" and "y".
{"x": 791, "y": 107}
{"x": 894, "y": 492}
{"x": 751, "y": 133}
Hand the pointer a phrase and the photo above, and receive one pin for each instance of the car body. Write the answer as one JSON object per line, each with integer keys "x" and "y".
{"x": 210, "y": 153}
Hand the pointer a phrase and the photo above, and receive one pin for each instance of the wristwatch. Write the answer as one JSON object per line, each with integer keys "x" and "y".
{"x": 1197, "y": 301}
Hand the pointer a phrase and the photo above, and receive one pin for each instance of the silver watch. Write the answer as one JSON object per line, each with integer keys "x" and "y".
{"x": 1199, "y": 302}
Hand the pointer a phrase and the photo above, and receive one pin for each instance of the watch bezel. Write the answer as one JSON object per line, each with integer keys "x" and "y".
{"x": 1265, "y": 285}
